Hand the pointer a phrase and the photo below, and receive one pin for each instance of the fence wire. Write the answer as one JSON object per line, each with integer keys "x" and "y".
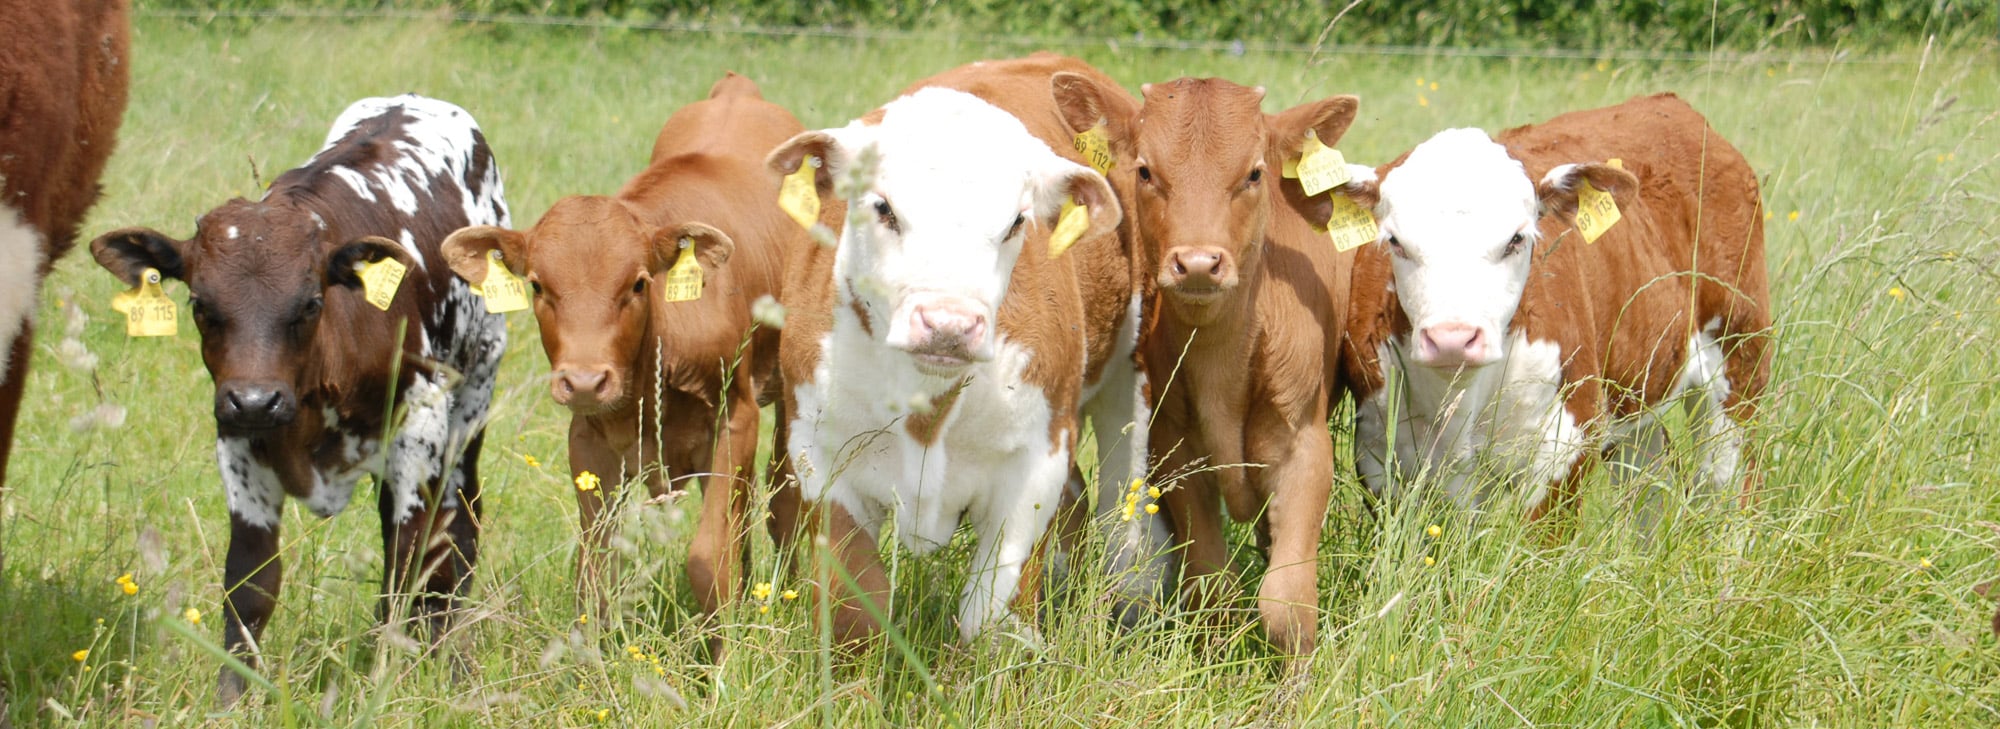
{"x": 1233, "y": 47}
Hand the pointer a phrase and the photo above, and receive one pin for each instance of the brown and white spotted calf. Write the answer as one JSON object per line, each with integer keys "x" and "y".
{"x": 63, "y": 69}
{"x": 1522, "y": 349}
{"x": 1243, "y": 338}
{"x": 304, "y": 365}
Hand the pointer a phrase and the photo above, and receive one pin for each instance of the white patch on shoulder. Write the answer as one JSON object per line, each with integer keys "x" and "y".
{"x": 418, "y": 452}
{"x": 254, "y": 492}
{"x": 21, "y": 252}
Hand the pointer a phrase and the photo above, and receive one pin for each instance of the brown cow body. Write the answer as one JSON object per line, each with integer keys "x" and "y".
{"x": 1670, "y": 305}
{"x": 305, "y": 368}
{"x": 660, "y": 390}
{"x": 939, "y": 363}
{"x": 64, "y": 68}
{"x": 1242, "y": 346}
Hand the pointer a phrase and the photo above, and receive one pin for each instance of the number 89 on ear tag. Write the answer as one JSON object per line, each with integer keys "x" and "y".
{"x": 503, "y": 291}
{"x": 148, "y": 312}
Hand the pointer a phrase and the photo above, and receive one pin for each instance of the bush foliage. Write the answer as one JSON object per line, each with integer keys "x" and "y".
{"x": 1662, "y": 24}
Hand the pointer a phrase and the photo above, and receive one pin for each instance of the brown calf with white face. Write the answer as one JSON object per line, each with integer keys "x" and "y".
{"x": 665, "y": 390}
{"x": 63, "y": 69}
{"x": 1524, "y": 350}
{"x": 1242, "y": 343}
{"x": 305, "y": 368}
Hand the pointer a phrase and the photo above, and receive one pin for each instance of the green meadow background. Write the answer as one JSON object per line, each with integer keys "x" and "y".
{"x": 1845, "y": 598}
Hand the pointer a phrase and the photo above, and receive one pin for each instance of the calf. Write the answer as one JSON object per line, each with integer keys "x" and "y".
{"x": 1243, "y": 334}
{"x": 1523, "y": 347}
{"x": 661, "y": 386}
{"x": 63, "y": 72}
{"x": 938, "y": 358}
{"x": 305, "y": 367}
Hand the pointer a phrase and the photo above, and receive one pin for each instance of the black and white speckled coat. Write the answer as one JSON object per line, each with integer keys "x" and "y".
{"x": 304, "y": 365}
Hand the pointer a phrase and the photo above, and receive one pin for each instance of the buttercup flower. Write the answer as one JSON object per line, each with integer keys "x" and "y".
{"x": 587, "y": 481}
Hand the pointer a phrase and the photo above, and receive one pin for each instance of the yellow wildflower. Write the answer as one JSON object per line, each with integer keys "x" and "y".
{"x": 1421, "y": 101}
{"x": 532, "y": 463}
{"x": 603, "y": 714}
{"x": 1792, "y": 216}
{"x": 1768, "y": 215}
{"x": 192, "y": 615}
{"x": 588, "y": 481}
{"x": 762, "y": 591}
{"x": 80, "y": 656}
{"x": 1430, "y": 561}
{"x": 1434, "y": 85}
{"x": 1603, "y": 66}
{"x": 762, "y": 609}
{"x": 125, "y": 583}
{"x": 1153, "y": 492}
{"x": 1152, "y": 508}
{"x": 1924, "y": 564}
{"x": 1420, "y": 82}
{"x": 1434, "y": 531}
{"x": 583, "y": 619}
{"x": 1896, "y": 292}
{"x": 1137, "y": 484}
{"x": 791, "y": 594}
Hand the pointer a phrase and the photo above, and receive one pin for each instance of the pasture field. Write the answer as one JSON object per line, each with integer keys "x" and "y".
{"x": 1844, "y": 598}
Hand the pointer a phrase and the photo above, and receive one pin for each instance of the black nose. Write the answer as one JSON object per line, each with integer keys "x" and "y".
{"x": 255, "y": 406}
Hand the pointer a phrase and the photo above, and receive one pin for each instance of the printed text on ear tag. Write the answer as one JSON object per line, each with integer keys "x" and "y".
{"x": 799, "y": 196}
{"x": 1319, "y": 167}
{"x": 380, "y": 279}
{"x": 1096, "y": 149}
{"x": 1351, "y": 226}
{"x": 683, "y": 281}
{"x": 1596, "y": 212}
{"x": 1070, "y": 225}
{"x": 148, "y": 312}
{"x": 503, "y": 291}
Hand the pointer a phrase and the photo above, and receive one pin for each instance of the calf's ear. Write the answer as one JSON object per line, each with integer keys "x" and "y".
{"x": 128, "y": 252}
{"x": 1067, "y": 180}
{"x": 712, "y": 247}
{"x": 468, "y": 249}
{"x": 820, "y": 145}
{"x": 1328, "y": 119}
{"x": 342, "y": 262}
{"x": 1084, "y": 104}
{"x": 1559, "y": 188}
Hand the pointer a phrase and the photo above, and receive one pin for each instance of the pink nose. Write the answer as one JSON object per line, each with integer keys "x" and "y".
{"x": 944, "y": 328}
{"x": 1196, "y": 268}
{"x": 581, "y": 386}
{"x": 1451, "y": 344}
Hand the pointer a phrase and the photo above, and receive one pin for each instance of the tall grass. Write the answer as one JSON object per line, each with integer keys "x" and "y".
{"x": 1845, "y": 599}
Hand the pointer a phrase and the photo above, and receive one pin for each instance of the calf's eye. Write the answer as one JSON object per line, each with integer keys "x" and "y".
{"x": 639, "y": 286}
{"x": 1514, "y": 244}
{"x": 1145, "y": 174}
{"x": 1256, "y": 175}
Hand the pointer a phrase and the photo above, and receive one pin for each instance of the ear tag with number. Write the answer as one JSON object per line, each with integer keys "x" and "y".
{"x": 1070, "y": 225}
{"x": 503, "y": 291}
{"x": 1596, "y": 212}
{"x": 1319, "y": 168}
{"x": 380, "y": 279}
{"x": 1096, "y": 149}
{"x": 799, "y": 195}
{"x": 683, "y": 281}
{"x": 148, "y": 312}
{"x": 1351, "y": 225}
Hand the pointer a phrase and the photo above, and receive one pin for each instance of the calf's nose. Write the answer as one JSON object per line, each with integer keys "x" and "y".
{"x": 255, "y": 406}
{"x": 947, "y": 326}
{"x": 1452, "y": 344}
{"x": 582, "y": 386}
{"x": 1201, "y": 268}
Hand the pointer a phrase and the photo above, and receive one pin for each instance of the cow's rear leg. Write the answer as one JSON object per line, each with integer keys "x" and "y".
{"x": 851, "y": 579}
{"x": 787, "y": 506}
{"x": 1716, "y": 412}
{"x": 252, "y": 575}
{"x": 718, "y": 562}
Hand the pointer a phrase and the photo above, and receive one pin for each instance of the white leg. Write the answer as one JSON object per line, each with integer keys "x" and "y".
{"x": 1137, "y": 551}
{"x": 1008, "y": 531}
{"x": 1719, "y": 446}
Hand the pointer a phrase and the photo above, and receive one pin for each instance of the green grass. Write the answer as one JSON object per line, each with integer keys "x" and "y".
{"x": 1845, "y": 600}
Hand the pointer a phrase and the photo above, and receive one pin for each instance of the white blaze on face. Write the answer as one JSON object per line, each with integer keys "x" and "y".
{"x": 934, "y": 241}
{"x": 1450, "y": 214}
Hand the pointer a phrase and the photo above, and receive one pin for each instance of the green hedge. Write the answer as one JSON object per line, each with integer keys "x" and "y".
{"x": 1659, "y": 24}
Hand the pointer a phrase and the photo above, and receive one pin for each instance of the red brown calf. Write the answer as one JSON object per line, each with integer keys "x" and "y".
{"x": 1242, "y": 342}
{"x": 63, "y": 73}
{"x": 663, "y": 377}
{"x": 1524, "y": 348}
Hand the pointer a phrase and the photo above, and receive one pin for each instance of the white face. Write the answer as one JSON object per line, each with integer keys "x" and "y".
{"x": 932, "y": 243}
{"x": 1459, "y": 219}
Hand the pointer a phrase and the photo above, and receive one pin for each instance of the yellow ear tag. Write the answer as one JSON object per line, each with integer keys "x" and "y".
{"x": 683, "y": 281}
{"x": 380, "y": 279}
{"x": 504, "y": 291}
{"x": 800, "y": 195}
{"x": 1096, "y": 149}
{"x": 1070, "y": 225}
{"x": 1351, "y": 226}
{"x": 1319, "y": 168}
{"x": 148, "y": 312}
{"x": 1596, "y": 212}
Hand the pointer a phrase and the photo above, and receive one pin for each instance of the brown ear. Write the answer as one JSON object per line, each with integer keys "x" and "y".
{"x": 1328, "y": 119}
{"x": 1084, "y": 104}
{"x": 712, "y": 247}
{"x": 817, "y": 145}
{"x": 467, "y": 250}
{"x": 1088, "y": 189}
{"x": 1559, "y": 188}
{"x": 341, "y": 262}
{"x": 128, "y": 252}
